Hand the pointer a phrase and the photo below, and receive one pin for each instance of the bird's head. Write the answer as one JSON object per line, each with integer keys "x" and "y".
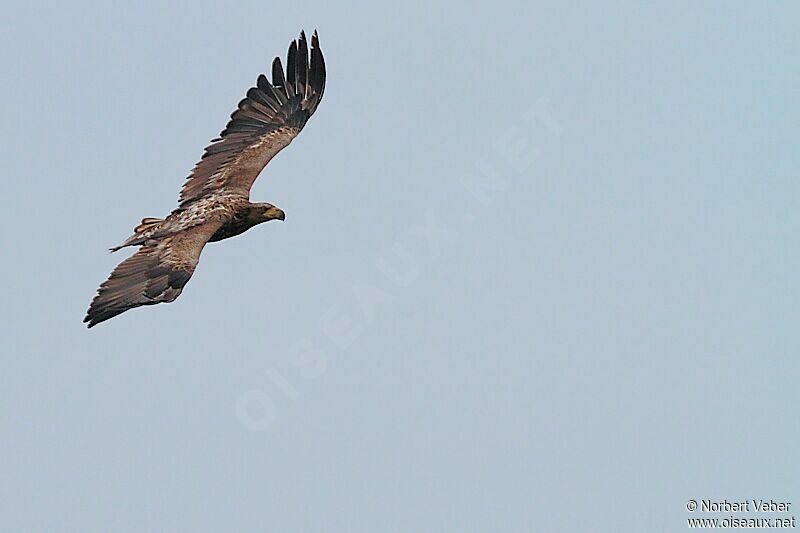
{"x": 266, "y": 212}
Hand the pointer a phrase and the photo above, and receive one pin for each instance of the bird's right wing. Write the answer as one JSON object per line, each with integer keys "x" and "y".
{"x": 156, "y": 273}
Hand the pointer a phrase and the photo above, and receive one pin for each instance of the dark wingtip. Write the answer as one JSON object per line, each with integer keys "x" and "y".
{"x": 317, "y": 69}
{"x": 91, "y": 318}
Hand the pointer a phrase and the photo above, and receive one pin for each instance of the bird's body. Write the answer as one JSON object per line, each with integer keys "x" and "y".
{"x": 214, "y": 201}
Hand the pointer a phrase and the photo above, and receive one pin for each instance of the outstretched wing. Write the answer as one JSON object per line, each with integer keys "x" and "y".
{"x": 156, "y": 273}
{"x": 264, "y": 123}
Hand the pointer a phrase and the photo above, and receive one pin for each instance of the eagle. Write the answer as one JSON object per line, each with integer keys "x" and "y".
{"x": 215, "y": 202}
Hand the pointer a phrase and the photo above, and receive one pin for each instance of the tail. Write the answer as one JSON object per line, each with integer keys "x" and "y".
{"x": 140, "y": 233}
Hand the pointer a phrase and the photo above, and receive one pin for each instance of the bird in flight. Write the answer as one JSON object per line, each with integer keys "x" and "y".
{"x": 215, "y": 199}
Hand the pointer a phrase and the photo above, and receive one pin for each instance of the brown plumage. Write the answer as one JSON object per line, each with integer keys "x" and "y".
{"x": 214, "y": 201}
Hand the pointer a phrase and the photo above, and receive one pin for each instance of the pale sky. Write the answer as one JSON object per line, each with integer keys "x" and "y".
{"x": 539, "y": 270}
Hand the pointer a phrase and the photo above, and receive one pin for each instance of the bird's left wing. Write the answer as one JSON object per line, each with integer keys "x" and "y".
{"x": 156, "y": 273}
{"x": 265, "y": 122}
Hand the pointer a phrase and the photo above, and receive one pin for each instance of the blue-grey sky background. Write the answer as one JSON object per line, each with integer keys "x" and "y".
{"x": 539, "y": 270}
